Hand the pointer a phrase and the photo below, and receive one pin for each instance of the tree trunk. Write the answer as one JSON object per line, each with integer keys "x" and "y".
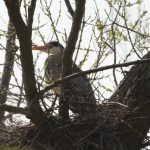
{"x": 8, "y": 65}
{"x": 134, "y": 92}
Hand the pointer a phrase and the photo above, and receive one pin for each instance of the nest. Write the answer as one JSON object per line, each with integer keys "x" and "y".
{"x": 96, "y": 132}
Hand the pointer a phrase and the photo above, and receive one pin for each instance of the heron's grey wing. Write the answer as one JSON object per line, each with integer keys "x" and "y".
{"x": 85, "y": 98}
{"x": 83, "y": 84}
{"x": 82, "y": 99}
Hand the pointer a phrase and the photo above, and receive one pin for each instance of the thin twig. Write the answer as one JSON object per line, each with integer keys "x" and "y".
{"x": 75, "y": 75}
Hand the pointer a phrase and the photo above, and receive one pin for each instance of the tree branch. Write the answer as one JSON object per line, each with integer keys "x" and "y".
{"x": 13, "y": 109}
{"x": 134, "y": 92}
{"x": 14, "y": 13}
{"x": 8, "y": 65}
{"x": 70, "y": 47}
{"x": 75, "y": 75}
{"x": 31, "y": 10}
{"x": 68, "y": 53}
{"x": 24, "y": 34}
{"x": 70, "y": 9}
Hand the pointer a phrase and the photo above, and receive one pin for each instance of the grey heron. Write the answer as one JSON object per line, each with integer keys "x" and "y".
{"x": 82, "y": 99}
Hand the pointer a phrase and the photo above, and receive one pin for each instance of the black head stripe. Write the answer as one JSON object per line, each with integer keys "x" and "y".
{"x": 55, "y": 44}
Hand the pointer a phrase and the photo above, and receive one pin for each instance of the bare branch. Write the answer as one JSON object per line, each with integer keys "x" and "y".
{"x": 14, "y": 13}
{"x": 132, "y": 30}
{"x": 146, "y": 144}
{"x": 75, "y": 75}
{"x": 31, "y": 10}
{"x": 70, "y": 47}
{"x": 13, "y": 109}
{"x": 24, "y": 34}
{"x": 25, "y": 48}
{"x": 70, "y": 9}
{"x": 8, "y": 67}
{"x": 68, "y": 53}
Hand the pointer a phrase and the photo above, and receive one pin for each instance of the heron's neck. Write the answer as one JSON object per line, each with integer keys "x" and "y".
{"x": 56, "y": 51}
{"x": 56, "y": 58}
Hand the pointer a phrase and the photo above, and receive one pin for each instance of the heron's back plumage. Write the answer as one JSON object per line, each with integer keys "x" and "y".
{"x": 82, "y": 99}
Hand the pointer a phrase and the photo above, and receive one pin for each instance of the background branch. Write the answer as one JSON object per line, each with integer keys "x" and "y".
{"x": 8, "y": 65}
{"x": 68, "y": 53}
{"x": 14, "y": 13}
{"x": 24, "y": 34}
{"x": 75, "y": 75}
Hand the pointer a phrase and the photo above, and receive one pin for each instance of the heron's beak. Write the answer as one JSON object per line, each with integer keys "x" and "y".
{"x": 43, "y": 48}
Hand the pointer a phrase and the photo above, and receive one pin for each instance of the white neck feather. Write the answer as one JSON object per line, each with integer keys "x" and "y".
{"x": 55, "y": 51}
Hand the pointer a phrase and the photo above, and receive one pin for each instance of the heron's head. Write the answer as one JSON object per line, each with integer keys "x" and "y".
{"x": 52, "y": 47}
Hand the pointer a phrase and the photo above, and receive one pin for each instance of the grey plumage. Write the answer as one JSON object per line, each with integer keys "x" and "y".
{"x": 82, "y": 99}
